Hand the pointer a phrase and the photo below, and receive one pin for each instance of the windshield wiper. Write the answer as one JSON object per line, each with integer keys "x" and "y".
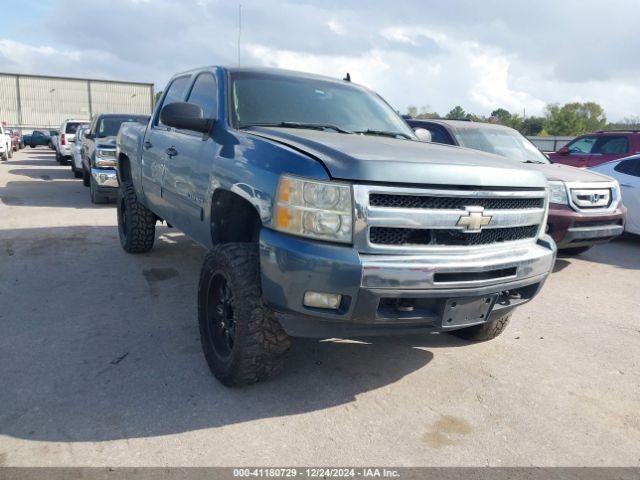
{"x": 311, "y": 126}
{"x": 533, "y": 161}
{"x": 383, "y": 133}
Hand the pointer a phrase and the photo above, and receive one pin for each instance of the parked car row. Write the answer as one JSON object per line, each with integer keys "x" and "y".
{"x": 90, "y": 148}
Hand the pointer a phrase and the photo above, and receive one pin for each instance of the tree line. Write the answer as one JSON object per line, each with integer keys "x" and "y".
{"x": 569, "y": 119}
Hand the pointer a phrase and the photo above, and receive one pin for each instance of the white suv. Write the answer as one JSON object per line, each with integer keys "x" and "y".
{"x": 6, "y": 151}
{"x": 66, "y": 136}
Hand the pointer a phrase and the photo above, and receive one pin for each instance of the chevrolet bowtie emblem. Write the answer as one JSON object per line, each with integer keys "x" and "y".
{"x": 474, "y": 220}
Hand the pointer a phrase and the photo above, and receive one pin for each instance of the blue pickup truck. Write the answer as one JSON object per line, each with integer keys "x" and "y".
{"x": 326, "y": 216}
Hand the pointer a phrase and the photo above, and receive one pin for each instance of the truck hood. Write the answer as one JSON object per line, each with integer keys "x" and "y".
{"x": 369, "y": 158}
{"x": 564, "y": 173}
{"x": 106, "y": 142}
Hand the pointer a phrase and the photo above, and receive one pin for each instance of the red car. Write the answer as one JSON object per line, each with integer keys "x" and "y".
{"x": 15, "y": 139}
{"x": 596, "y": 148}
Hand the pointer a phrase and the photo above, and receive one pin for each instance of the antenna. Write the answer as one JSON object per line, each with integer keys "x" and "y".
{"x": 347, "y": 78}
{"x": 239, "y": 29}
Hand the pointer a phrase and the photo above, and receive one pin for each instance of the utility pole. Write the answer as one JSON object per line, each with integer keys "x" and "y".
{"x": 239, "y": 29}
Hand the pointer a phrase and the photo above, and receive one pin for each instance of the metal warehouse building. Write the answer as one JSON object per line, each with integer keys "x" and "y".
{"x": 36, "y": 101}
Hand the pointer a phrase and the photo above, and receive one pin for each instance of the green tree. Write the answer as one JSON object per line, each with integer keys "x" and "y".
{"x": 457, "y": 113}
{"x": 504, "y": 117}
{"x": 574, "y": 118}
{"x": 532, "y": 126}
{"x": 423, "y": 113}
{"x": 501, "y": 115}
{"x": 156, "y": 97}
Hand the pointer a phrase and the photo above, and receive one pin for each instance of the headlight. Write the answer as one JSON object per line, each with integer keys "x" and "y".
{"x": 105, "y": 158}
{"x": 315, "y": 209}
{"x": 558, "y": 193}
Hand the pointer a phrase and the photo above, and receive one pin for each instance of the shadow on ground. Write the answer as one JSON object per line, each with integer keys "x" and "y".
{"x": 623, "y": 253}
{"x": 103, "y": 345}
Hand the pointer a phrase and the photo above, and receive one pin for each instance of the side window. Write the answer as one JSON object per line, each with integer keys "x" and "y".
{"x": 439, "y": 135}
{"x": 204, "y": 94}
{"x": 582, "y": 145}
{"x": 611, "y": 145}
{"x": 175, "y": 93}
{"x": 629, "y": 167}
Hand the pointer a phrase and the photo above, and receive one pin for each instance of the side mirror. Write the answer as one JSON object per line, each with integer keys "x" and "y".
{"x": 423, "y": 134}
{"x": 88, "y": 136}
{"x": 185, "y": 116}
{"x": 564, "y": 151}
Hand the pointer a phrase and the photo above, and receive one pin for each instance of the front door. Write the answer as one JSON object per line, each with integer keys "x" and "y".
{"x": 157, "y": 140}
{"x": 579, "y": 151}
{"x": 189, "y": 164}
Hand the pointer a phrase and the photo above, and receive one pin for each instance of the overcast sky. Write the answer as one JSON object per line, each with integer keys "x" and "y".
{"x": 477, "y": 54}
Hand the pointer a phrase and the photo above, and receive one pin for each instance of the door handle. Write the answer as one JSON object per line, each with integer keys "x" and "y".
{"x": 147, "y": 145}
{"x": 172, "y": 152}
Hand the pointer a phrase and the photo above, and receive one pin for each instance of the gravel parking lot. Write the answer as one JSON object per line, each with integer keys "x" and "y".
{"x": 100, "y": 361}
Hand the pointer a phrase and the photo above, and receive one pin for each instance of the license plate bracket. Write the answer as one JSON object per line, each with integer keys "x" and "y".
{"x": 464, "y": 311}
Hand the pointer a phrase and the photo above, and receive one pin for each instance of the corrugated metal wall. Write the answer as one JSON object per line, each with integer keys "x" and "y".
{"x": 31, "y": 101}
{"x": 8, "y": 100}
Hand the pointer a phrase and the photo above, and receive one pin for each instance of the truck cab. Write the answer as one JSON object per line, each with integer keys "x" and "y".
{"x": 325, "y": 216}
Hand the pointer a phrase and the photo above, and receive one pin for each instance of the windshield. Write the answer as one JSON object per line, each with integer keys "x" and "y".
{"x": 499, "y": 141}
{"x": 259, "y": 98}
{"x": 109, "y": 126}
{"x": 72, "y": 127}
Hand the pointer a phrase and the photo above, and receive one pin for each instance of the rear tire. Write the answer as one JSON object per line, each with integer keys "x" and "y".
{"x": 32, "y": 146}
{"x": 3, "y": 157}
{"x": 242, "y": 340}
{"x": 485, "y": 331}
{"x": 77, "y": 173}
{"x": 136, "y": 223}
{"x": 10, "y": 152}
{"x": 569, "y": 252}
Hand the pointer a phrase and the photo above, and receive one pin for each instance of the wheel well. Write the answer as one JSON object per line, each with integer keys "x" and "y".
{"x": 124, "y": 168}
{"x": 233, "y": 219}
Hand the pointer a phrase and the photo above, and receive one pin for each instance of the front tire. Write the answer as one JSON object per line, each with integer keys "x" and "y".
{"x": 86, "y": 176}
{"x": 136, "y": 223}
{"x": 243, "y": 342}
{"x": 485, "y": 331}
{"x": 96, "y": 197}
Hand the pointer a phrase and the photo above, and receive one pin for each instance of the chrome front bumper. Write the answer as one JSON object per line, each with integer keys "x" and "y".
{"x": 467, "y": 268}
{"x": 105, "y": 177}
{"x": 577, "y": 235}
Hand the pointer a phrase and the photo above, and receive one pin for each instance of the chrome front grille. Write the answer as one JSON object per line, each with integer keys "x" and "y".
{"x": 593, "y": 197}
{"x": 426, "y": 201}
{"x": 420, "y": 236}
{"x": 400, "y": 219}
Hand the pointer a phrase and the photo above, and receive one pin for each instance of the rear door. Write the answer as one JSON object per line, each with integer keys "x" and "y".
{"x": 187, "y": 170}
{"x": 627, "y": 172}
{"x": 155, "y": 144}
{"x": 607, "y": 148}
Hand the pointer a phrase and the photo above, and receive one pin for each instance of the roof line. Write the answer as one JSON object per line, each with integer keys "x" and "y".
{"x": 57, "y": 77}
